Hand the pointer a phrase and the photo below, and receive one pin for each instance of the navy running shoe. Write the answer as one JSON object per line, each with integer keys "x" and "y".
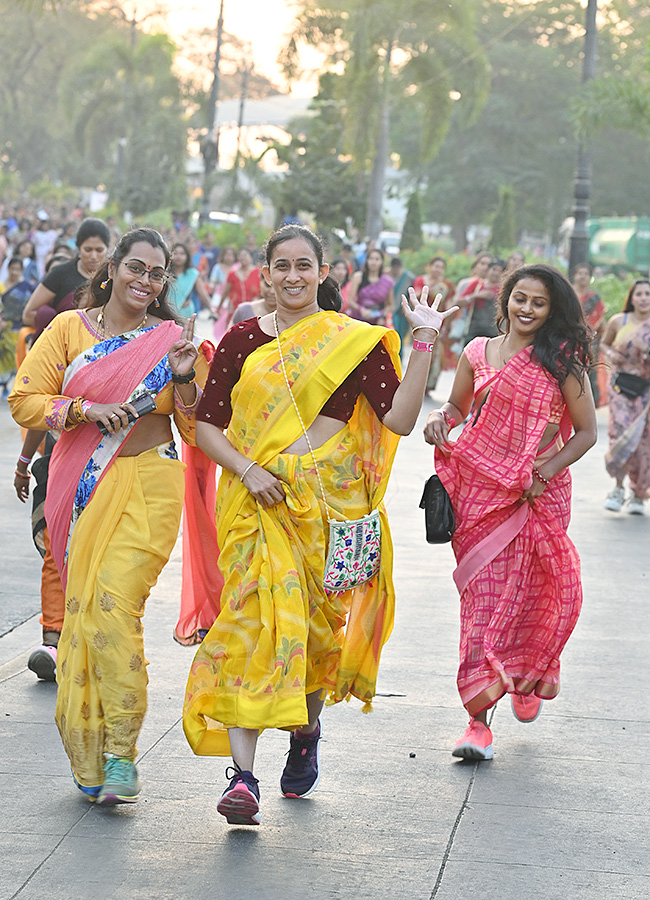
{"x": 240, "y": 802}
{"x": 302, "y": 770}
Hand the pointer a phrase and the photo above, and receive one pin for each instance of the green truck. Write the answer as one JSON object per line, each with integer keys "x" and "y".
{"x": 620, "y": 243}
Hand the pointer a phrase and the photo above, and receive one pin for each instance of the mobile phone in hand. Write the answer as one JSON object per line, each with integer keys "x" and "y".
{"x": 143, "y": 405}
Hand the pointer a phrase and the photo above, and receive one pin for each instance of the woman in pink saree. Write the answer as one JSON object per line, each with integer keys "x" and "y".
{"x": 518, "y": 572}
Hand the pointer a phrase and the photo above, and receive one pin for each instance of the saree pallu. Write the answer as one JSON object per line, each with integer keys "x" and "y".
{"x": 119, "y": 547}
{"x": 518, "y": 572}
{"x": 280, "y": 635}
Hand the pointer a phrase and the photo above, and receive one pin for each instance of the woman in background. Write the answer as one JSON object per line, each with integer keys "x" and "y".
{"x": 57, "y": 291}
{"x": 626, "y": 347}
{"x": 371, "y": 296}
{"x": 186, "y": 284}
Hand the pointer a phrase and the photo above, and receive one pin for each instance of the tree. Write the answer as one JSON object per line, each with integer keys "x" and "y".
{"x": 110, "y": 113}
{"x": 502, "y": 236}
{"x": 417, "y": 52}
{"x": 319, "y": 179}
{"x": 125, "y": 105}
{"x": 412, "y": 230}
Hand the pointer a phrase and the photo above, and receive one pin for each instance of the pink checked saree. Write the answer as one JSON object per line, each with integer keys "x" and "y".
{"x": 518, "y": 573}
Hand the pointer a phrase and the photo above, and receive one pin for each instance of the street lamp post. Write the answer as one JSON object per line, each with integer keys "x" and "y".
{"x": 210, "y": 144}
{"x": 579, "y": 245}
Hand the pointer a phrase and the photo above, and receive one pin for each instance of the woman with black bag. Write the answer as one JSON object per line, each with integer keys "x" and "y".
{"x": 507, "y": 476}
{"x": 626, "y": 347}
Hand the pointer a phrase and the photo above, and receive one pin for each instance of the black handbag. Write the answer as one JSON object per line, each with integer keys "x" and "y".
{"x": 631, "y": 386}
{"x": 439, "y": 516}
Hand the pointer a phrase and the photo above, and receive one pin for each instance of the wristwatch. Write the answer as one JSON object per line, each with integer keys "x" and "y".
{"x": 184, "y": 379}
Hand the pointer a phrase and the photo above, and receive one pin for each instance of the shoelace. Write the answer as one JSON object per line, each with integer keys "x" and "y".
{"x": 240, "y": 775}
{"x": 298, "y": 752}
{"x": 119, "y": 769}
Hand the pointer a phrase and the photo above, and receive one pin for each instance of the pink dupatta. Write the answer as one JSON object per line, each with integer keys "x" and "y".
{"x": 116, "y": 374}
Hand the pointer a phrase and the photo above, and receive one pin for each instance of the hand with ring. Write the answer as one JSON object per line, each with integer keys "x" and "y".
{"x": 113, "y": 416}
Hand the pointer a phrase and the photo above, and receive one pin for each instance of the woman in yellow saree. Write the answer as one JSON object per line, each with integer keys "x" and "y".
{"x": 281, "y": 641}
{"x": 114, "y": 499}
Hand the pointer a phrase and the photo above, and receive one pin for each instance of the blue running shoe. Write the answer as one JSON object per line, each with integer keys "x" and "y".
{"x": 90, "y": 792}
{"x": 121, "y": 782}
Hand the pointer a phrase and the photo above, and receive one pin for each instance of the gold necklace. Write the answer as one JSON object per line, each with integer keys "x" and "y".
{"x": 101, "y": 323}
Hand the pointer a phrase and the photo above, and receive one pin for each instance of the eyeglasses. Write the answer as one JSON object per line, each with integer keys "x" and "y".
{"x": 156, "y": 276}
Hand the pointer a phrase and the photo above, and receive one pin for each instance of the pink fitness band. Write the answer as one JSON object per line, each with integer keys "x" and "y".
{"x": 425, "y": 346}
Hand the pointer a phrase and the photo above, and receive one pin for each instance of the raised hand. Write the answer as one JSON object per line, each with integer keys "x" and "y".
{"x": 419, "y": 313}
{"x": 183, "y": 353}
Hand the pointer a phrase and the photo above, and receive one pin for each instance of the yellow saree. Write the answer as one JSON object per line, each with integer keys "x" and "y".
{"x": 279, "y": 635}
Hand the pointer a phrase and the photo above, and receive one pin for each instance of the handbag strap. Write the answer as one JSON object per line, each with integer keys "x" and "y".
{"x": 295, "y": 406}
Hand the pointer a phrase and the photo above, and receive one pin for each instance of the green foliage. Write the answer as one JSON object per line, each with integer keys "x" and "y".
{"x": 318, "y": 179}
{"x": 434, "y": 50}
{"x": 83, "y": 104}
{"x": 524, "y": 134}
{"x": 47, "y": 192}
{"x": 502, "y": 234}
{"x": 613, "y": 290}
{"x": 412, "y": 230}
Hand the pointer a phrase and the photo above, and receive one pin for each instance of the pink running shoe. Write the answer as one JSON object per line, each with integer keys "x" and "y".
{"x": 525, "y": 709}
{"x": 240, "y": 802}
{"x": 476, "y": 743}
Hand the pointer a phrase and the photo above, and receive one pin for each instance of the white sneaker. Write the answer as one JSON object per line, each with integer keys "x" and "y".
{"x": 615, "y": 499}
{"x": 636, "y": 506}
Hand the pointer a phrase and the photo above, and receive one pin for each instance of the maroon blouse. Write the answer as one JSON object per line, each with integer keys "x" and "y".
{"x": 375, "y": 376}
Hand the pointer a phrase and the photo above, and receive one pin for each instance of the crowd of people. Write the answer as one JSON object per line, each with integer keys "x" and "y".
{"x": 299, "y": 402}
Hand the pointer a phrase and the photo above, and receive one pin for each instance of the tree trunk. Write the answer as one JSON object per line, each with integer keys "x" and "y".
{"x": 375, "y": 204}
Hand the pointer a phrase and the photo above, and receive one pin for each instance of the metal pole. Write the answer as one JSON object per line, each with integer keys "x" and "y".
{"x": 210, "y": 145}
{"x": 579, "y": 245}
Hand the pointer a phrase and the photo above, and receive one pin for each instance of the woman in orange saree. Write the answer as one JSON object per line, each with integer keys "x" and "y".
{"x": 282, "y": 641}
{"x": 518, "y": 572}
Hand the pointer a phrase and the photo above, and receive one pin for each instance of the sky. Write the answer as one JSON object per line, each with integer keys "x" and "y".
{"x": 262, "y": 22}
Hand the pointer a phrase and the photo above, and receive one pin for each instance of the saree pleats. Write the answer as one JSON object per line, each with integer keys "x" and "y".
{"x": 279, "y": 634}
{"x": 119, "y": 547}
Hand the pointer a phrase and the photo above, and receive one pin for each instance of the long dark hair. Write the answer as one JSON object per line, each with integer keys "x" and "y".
{"x": 188, "y": 257}
{"x": 328, "y": 296}
{"x": 629, "y": 306}
{"x": 365, "y": 272}
{"x": 98, "y": 291}
{"x": 561, "y": 345}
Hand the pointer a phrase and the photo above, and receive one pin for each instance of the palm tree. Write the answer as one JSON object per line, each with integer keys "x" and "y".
{"x": 417, "y": 52}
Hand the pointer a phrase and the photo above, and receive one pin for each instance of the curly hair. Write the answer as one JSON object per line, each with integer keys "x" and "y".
{"x": 561, "y": 345}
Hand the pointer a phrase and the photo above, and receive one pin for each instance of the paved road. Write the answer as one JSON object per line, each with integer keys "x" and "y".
{"x": 561, "y": 811}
